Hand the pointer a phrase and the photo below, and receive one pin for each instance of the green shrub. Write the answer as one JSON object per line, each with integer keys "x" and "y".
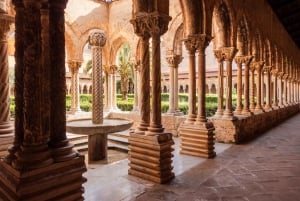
{"x": 125, "y": 105}
{"x": 164, "y": 97}
{"x": 183, "y": 97}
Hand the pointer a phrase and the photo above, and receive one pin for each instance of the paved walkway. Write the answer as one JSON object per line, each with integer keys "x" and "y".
{"x": 266, "y": 169}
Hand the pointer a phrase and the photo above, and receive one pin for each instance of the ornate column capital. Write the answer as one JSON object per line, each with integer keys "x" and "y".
{"x": 97, "y": 38}
{"x": 228, "y": 53}
{"x": 74, "y": 65}
{"x": 140, "y": 26}
{"x": 258, "y": 65}
{"x": 5, "y": 22}
{"x": 218, "y": 54}
{"x": 192, "y": 42}
{"x": 174, "y": 59}
{"x": 158, "y": 23}
{"x": 275, "y": 72}
{"x": 243, "y": 59}
{"x": 136, "y": 65}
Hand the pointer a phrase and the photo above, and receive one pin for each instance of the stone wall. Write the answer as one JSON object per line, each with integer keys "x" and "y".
{"x": 243, "y": 129}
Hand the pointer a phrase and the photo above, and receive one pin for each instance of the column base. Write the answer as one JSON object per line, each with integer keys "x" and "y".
{"x": 75, "y": 110}
{"x": 151, "y": 157}
{"x": 58, "y": 181}
{"x": 97, "y": 147}
{"x": 197, "y": 140}
{"x": 6, "y": 129}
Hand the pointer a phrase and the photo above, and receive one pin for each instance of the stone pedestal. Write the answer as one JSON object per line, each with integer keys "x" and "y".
{"x": 197, "y": 140}
{"x": 97, "y": 147}
{"x": 58, "y": 181}
{"x": 151, "y": 157}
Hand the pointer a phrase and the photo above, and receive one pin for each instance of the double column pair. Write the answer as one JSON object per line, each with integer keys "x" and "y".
{"x": 196, "y": 132}
{"x": 151, "y": 149}
{"x": 40, "y": 143}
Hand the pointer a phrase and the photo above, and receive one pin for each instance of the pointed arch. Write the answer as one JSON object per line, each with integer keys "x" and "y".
{"x": 243, "y": 37}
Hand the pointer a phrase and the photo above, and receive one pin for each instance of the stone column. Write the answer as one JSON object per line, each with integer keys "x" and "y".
{"x": 191, "y": 44}
{"x": 220, "y": 58}
{"x": 263, "y": 93}
{"x": 61, "y": 149}
{"x": 246, "y": 109}
{"x": 197, "y": 138}
{"x": 285, "y": 100}
{"x": 34, "y": 152}
{"x": 268, "y": 69}
{"x": 19, "y": 81}
{"x": 203, "y": 43}
{"x": 140, "y": 29}
{"x": 32, "y": 159}
{"x": 148, "y": 143}
{"x": 6, "y": 127}
{"x": 107, "y": 88}
{"x": 281, "y": 93}
{"x": 259, "y": 66}
{"x": 113, "y": 71}
{"x": 74, "y": 68}
{"x": 176, "y": 95}
{"x": 239, "y": 61}
{"x": 229, "y": 53}
{"x": 275, "y": 94}
{"x": 289, "y": 89}
{"x": 252, "y": 91}
{"x": 97, "y": 40}
{"x": 136, "y": 87}
{"x": 173, "y": 61}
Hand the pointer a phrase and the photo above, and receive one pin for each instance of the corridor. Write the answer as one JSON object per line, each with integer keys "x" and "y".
{"x": 266, "y": 169}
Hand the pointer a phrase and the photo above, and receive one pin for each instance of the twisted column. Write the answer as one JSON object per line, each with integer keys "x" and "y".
{"x": 229, "y": 53}
{"x": 220, "y": 58}
{"x": 107, "y": 88}
{"x": 202, "y": 44}
{"x": 6, "y": 128}
{"x": 97, "y": 40}
{"x": 246, "y": 109}
{"x": 74, "y": 68}
{"x": 173, "y": 61}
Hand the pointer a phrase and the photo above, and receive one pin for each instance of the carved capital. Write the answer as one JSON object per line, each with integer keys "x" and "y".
{"x": 219, "y": 56}
{"x": 97, "y": 38}
{"x": 258, "y": 65}
{"x": 158, "y": 23}
{"x": 149, "y": 24}
{"x": 5, "y": 22}
{"x": 239, "y": 59}
{"x": 74, "y": 65}
{"x": 136, "y": 65}
{"x": 229, "y": 53}
{"x": 106, "y": 69}
{"x": 173, "y": 60}
{"x": 194, "y": 42}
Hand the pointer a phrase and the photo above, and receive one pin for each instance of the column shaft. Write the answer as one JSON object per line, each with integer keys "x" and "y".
{"x": 252, "y": 91}
{"x": 219, "y": 56}
{"x": 239, "y": 62}
{"x": 246, "y": 109}
{"x": 6, "y": 128}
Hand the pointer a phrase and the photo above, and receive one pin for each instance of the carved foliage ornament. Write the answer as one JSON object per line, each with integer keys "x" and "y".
{"x": 174, "y": 60}
{"x": 97, "y": 38}
{"x": 194, "y": 42}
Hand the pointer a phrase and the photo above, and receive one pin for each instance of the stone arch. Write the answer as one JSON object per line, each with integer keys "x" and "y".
{"x": 243, "y": 37}
{"x": 193, "y": 24}
{"x": 85, "y": 90}
{"x": 114, "y": 47}
{"x": 256, "y": 48}
{"x": 206, "y": 89}
{"x": 222, "y": 26}
{"x": 177, "y": 44}
{"x": 181, "y": 90}
{"x": 267, "y": 53}
{"x": 90, "y": 89}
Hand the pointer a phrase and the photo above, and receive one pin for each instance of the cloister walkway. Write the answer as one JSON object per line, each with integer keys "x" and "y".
{"x": 266, "y": 169}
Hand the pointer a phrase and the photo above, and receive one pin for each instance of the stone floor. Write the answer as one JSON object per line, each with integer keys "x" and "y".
{"x": 266, "y": 169}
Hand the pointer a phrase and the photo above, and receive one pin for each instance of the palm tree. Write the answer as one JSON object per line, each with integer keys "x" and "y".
{"x": 125, "y": 68}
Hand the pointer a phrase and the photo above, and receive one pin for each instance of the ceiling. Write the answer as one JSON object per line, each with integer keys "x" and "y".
{"x": 288, "y": 12}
